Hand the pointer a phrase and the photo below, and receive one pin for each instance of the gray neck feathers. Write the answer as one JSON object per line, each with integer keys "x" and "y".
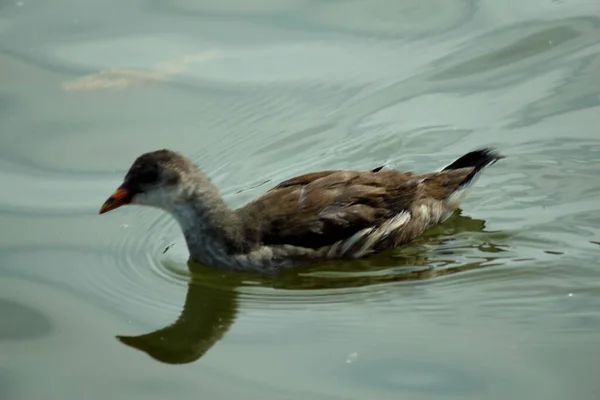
{"x": 212, "y": 230}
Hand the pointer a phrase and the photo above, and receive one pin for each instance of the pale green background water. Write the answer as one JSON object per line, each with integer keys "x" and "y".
{"x": 258, "y": 91}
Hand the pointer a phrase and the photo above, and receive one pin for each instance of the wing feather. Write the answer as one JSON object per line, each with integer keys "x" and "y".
{"x": 319, "y": 209}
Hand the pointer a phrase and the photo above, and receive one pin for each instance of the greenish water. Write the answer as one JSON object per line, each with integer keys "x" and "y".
{"x": 502, "y": 301}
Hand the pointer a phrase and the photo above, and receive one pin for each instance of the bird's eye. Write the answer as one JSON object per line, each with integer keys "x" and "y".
{"x": 148, "y": 176}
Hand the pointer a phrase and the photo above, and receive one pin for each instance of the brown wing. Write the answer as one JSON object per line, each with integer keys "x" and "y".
{"x": 313, "y": 176}
{"x": 304, "y": 179}
{"x": 321, "y": 208}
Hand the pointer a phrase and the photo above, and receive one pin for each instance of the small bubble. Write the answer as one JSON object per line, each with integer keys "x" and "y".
{"x": 570, "y": 295}
{"x": 351, "y": 357}
{"x": 124, "y": 226}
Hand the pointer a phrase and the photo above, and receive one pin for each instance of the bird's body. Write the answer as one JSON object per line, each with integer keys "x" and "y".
{"x": 314, "y": 217}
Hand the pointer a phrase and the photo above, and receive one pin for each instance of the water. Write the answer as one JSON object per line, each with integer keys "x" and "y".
{"x": 500, "y": 302}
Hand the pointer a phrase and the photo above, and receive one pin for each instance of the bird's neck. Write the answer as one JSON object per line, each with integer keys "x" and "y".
{"x": 213, "y": 231}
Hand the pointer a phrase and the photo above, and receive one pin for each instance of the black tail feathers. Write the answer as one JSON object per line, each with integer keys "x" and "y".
{"x": 477, "y": 159}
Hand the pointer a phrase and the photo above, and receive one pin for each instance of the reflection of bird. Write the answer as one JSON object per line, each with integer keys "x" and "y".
{"x": 318, "y": 216}
{"x": 208, "y": 313}
{"x": 211, "y": 303}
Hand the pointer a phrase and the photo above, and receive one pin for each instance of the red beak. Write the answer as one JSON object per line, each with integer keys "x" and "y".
{"x": 120, "y": 197}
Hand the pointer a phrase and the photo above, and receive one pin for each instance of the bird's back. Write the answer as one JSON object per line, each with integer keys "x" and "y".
{"x": 349, "y": 214}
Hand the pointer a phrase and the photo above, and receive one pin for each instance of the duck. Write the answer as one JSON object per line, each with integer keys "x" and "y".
{"x": 315, "y": 217}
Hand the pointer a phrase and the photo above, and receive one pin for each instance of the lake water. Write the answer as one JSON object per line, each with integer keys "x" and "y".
{"x": 501, "y": 302}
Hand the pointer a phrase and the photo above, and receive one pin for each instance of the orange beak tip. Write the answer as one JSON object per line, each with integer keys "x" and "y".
{"x": 119, "y": 198}
{"x": 105, "y": 208}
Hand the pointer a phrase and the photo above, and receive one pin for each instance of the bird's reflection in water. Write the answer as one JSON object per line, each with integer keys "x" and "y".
{"x": 209, "y": 310}
{"x": 211, "y": 303}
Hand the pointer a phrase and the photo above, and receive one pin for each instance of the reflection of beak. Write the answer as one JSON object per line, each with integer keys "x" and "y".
{"x": 120, "y": 197}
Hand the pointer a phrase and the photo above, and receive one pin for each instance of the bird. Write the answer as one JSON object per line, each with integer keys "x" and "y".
{"x": 315, "y": 217}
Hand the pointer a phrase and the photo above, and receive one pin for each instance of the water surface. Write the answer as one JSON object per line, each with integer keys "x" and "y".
{"x": 502, "y": 301}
